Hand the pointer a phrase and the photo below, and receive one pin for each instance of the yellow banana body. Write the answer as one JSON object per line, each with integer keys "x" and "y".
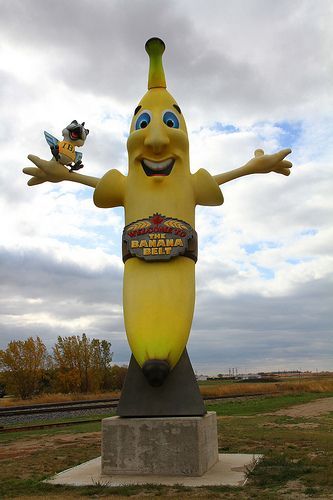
{"x": 158, "y": 295}
{"x": 158, "y": 307}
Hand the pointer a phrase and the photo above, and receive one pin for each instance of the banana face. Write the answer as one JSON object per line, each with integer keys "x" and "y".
{"x": 159, "y": 177}
{"x": 158, "y": 144}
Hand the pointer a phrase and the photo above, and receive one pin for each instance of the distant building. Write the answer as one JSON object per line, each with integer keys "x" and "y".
{"x": 202, "y": 377}
{"x": 249, "y": 376}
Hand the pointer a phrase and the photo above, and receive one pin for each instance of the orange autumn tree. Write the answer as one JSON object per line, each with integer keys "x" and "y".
{"x": 81, "y": 364}
{"x": 24, "y": 363}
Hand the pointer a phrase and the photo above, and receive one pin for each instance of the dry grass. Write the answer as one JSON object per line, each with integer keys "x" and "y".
{"x": 290, "y": 387}
{"x": 58, "y": 398}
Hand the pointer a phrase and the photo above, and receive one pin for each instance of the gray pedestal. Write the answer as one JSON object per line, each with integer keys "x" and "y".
{"x": 172, "y": 446}
{"x": 179, "y": 395}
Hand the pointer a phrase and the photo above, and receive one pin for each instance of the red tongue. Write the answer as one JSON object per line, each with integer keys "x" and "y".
{"x": 74, "y": 134}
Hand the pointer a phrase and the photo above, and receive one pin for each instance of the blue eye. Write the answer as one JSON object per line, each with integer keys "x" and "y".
{"x": 170, "y": 119}
{"x": 143, "y": 120}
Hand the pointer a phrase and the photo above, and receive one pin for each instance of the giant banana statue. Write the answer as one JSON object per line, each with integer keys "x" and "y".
{"x": 159, "y": 195}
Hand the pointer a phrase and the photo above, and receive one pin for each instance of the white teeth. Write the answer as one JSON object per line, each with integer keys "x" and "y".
{"x": 158, "y": 165}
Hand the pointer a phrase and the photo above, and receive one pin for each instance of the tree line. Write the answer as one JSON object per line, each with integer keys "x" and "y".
{"x": 77, "y": 364}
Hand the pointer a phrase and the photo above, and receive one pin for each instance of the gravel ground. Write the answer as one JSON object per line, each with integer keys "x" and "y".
{"x": 21, "y": 419}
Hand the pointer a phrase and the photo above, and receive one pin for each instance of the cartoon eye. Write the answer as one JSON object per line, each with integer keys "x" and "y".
{"x": 143, "y": 120}
{"x": 170, "y": 119}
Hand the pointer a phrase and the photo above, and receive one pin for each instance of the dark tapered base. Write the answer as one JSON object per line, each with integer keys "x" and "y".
{"x": 179, "y": 394}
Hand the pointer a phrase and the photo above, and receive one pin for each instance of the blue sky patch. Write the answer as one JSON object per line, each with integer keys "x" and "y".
{"x": 77, "y": 241}
{"x": 309, "y": 232}
{"x": 84, "y": 194}
{"x": 265, "y": 272}
{"x": 104, "y": 241}
{"x": 225, "y": 128}
{"x": 291, "y": 132}
{"x": 294, "y": 261}
{"x": 251, "y": 248}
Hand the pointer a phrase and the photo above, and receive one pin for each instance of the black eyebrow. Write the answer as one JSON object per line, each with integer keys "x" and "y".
{"x": 177, "y": 108}
{"x": 137, "y": 109}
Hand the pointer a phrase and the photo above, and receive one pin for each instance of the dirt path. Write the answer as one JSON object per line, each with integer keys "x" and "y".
{"x": 312, "y": 409}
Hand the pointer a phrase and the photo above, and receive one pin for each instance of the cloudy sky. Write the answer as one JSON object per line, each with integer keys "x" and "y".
{"x": 247, "y": 75}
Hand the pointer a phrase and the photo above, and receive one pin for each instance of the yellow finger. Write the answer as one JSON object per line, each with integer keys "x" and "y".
{"x": 258, "y": 152}
{"x": 282, "y": 154}
{"x": 35, "y": 172}
{"x": 282, "y": 170}
{"x": 34, "y": 159}
{"x": 285, "y": 171}
{"x": 34, "y": 181}
{"x": 39, "y": 162}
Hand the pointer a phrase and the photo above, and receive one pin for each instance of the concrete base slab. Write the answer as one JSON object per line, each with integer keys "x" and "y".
{"x": 159, "y": 446}
{"x": 229, "y": 470}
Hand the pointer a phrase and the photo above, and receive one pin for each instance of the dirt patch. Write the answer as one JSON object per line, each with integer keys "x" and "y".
{"x": 303, "y": 425}
{"x": 312, "y": 409}
{"x": 22, "y": 448}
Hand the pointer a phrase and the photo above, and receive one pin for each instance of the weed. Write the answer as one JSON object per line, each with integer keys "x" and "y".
{"x": 277, "y": 470}
{"x": 311, "y": 491}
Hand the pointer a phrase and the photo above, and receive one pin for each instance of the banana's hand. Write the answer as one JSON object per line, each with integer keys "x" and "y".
{"x": 263, "y": 164}
{"x": 53, "y": 171}
{"x": 260, "y": 164}
{"x": 47, "y": 170}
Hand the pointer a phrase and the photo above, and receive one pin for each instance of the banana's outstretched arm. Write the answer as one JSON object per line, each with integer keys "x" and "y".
{"x": 260, "y": 164}
{"x": 53, "y": 171}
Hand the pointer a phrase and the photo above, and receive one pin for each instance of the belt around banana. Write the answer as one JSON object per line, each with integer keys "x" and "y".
{"x": 159, "y": 238}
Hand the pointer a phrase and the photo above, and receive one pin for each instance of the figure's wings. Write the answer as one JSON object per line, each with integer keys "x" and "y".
{"x": 78, "y": 156}
{"x": 52, "y": 141}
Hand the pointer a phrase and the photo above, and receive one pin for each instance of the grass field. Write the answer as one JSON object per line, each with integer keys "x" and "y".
{"x": 297, "y": 463}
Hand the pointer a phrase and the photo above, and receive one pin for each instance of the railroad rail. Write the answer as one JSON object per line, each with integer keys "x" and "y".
{"x": 95, "y": 404}
{"x": 54, "y": 405}
{"x": 59, "y": 408}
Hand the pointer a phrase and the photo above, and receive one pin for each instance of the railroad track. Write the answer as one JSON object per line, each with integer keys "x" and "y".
{"x": 54, "y": 405}
{"x": 79, "y": 406}
{"x": 58, "y": 407}
{"x": 94, "y": 404}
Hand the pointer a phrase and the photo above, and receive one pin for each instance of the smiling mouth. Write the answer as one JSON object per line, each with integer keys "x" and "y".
{"x": 153, "y": 168}
{"x": 75, "y": 134}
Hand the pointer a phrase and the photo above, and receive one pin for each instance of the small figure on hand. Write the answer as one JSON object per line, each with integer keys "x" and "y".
{"x": 64, "y": 151}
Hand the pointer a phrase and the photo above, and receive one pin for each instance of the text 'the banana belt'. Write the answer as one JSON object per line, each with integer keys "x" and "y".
{"x": 159, "y": 238}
